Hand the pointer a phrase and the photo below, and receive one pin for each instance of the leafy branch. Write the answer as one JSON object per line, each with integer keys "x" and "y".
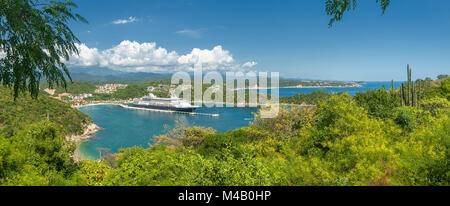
{"x": 35, "y": 41}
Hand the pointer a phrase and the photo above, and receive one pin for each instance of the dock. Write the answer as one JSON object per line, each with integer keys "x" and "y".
{"x": 170, "y": 111}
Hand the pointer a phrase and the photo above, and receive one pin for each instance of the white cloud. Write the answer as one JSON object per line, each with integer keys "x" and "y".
{"x": 215, "y": 56}
{"x": 132, "y": 56}
{"x": 190, "y": 33}
{"x": 249, "y": 64}
{"x": 86, "y": 57}
{"x": 129, "y": 53}
{"x": 130, "y": 19}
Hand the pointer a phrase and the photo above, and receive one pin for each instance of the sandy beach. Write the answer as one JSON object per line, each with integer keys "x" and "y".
{"x": 89, "y": 131}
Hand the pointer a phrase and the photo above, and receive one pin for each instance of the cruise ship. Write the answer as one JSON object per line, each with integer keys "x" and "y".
{"x": 173, "y": 104}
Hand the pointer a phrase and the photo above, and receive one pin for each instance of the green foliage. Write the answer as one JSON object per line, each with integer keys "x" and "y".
{"x": 16, "y": 115}
{"x": 445, "y": 88}
{"x": 337, "y": 8}
{"x": 378, "y": 103}
{"x": 425, "y": 154}
{"x": 156, "y": 166}
{"x": 216, "y": 144}
{"x": 94, "y": 172}
{"x": 442, "y": 76}
{"x": 190, "y": 137}
{"x": 312, "y": 98}
{"x": 405, "y": 117}
{"x": 343, "y": 141}
{"x": 132, "y": 91}
{"x": 75, "y": 88}
{"x": 38, "y": 155}
{"x": 436, "y": 105}
{"x": 36, "y": 40}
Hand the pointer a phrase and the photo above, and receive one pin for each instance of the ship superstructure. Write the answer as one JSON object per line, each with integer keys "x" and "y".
{"x": 173, "y": 103}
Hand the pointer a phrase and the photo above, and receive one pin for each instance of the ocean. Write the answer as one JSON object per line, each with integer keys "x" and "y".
{"x": 123, "y": 128}
{"x": 283, "y": 92}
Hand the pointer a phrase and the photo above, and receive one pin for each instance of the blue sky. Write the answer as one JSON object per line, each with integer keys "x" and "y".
{"x": 290, "y": 36}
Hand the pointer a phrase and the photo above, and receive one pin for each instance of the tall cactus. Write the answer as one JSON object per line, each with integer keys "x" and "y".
{"x": 413, "y": 95}
{"x": 392, "y": 86}
{"x": 401, "y": 94}
{"x": 408, "y": 89}
{"x": 404, "y": 95}
{"x": 418, "y": 93}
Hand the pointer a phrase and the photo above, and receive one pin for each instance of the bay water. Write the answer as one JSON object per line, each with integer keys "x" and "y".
{"x": 123, "y": 128}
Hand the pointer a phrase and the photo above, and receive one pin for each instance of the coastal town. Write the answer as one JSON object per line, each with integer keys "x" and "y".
{"x": 109, "y": 88}
{"x": 86, "y": 98}
{"x": 107, "y": 93}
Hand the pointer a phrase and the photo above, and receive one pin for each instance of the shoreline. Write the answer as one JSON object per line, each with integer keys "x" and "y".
{"x": 95, "y": 104}
{"x": 88, "y": 133}
{"x": 92, "y": 128}
{"x": 204, "y": 102}
{"x": 299, "y": 87}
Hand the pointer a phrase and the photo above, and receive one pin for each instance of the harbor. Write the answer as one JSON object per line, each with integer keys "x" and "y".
{"x": 142, "y": 108}
{"x": 172, "y": 111}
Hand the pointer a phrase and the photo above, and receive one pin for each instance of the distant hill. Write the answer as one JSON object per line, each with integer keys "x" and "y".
{"x": 108, "y": 75}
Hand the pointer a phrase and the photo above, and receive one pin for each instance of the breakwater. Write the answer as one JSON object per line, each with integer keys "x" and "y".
{"x": 147, "y": 109}
{"x": 159, "y": 110}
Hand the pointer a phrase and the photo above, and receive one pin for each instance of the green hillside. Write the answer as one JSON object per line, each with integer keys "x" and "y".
{"x": 312, "y": 98}
{"x": 15, "y": 115}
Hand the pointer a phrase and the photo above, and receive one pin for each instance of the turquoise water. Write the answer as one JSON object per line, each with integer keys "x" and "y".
{"x": 127, "y": 127}
{"x": 124, "y": 128}
{"x": 283, "y": 92}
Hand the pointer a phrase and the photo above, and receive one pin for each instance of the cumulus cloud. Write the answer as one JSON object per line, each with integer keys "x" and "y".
{"x": 204, "y": 56}
{"x": 132, "y": 56}
{"x": 130, "y": 19}
{"x": 86, "y": 57}
{"x": 249, "y": 64}
{"x": 190, "y": 33}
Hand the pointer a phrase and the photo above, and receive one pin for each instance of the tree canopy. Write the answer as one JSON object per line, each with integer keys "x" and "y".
{"x": 337, "y": 8}
{"x": 35, "y": 40}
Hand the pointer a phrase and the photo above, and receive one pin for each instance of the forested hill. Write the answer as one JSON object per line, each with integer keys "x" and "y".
{"x": 312, "y": 98}
{"x": 15, "y": 115}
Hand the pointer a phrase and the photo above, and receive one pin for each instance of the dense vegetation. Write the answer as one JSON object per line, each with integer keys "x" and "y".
{"x": 132, "y": 91}
{"x": 368, "y": 139}
{"x": 337, "y": 143}
{"x": 35, "y": 42}
{"x": 16, "y": 115}
{"x": 312, "y": 98}
{"x": 38, "y": 155}
{"x": 74, "y": 88}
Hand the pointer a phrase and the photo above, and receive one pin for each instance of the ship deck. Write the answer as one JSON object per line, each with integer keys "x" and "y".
{"x": 170, "y": 111}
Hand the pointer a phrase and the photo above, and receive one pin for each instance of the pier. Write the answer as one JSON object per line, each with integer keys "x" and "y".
{"x": 155, "y": 110}
{"x": 158, "y": 110}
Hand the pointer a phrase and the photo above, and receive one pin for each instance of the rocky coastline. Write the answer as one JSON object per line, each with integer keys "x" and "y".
{"x": 89, "y": 131}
